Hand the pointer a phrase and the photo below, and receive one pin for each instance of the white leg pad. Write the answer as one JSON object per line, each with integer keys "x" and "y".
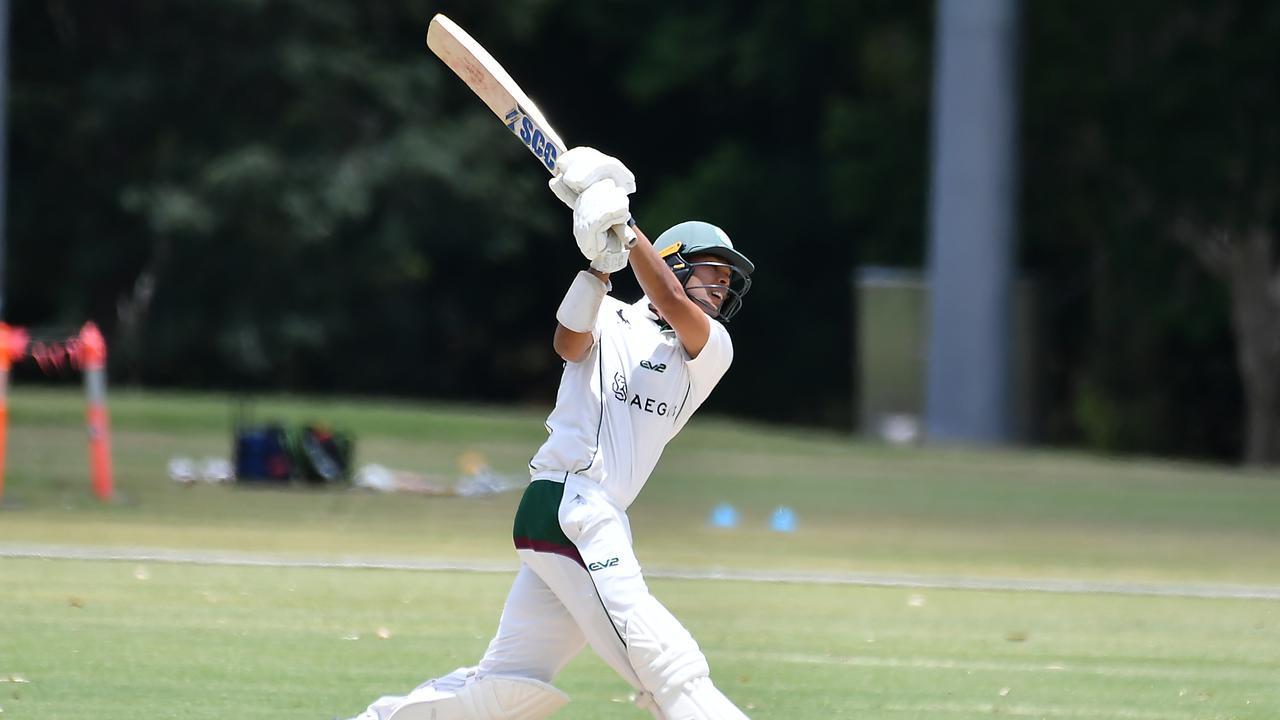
{"x": 672, "y": 667}
{"x": 701, "y": 700}
{"x": 382, "y": 708}
{"x": 453, "y": 681}
{"x": 492, "y": 697}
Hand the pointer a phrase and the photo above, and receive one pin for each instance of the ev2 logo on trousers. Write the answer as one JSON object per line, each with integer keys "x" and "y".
{"x": 611, "y": 562}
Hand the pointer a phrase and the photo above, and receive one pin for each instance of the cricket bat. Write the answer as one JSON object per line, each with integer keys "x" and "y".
{"x": 488, "y": 80}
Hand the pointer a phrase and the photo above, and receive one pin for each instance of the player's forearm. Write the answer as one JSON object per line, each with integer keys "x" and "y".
{"x": 656, "y": 279}
{"x": 667, "y": 294}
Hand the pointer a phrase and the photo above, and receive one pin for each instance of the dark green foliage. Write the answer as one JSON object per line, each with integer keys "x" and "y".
{"x": 295, "y": 194}
{"x": 1139, "y": 116}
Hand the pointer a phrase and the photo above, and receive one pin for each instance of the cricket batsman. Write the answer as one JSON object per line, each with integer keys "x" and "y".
{"x": 633, "y": 376}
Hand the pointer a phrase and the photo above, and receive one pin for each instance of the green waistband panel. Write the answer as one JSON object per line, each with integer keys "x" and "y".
{"x": 537, "y": 525}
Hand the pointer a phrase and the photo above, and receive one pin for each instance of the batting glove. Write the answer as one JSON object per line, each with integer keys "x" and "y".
{"x": 599, "y": 208}
{"x": 582, "y": 167}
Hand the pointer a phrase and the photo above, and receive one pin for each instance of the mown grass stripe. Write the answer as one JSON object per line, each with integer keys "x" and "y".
{"x": 1104, "y": 667}
{"x": 933, "y": 582}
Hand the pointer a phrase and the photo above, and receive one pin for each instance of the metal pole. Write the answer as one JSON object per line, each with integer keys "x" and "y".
{"x": 93, "y": 360}
{"x": 13, "y": 346}
{"x": 971, "y": 212}
{"x": 4, "y": 408}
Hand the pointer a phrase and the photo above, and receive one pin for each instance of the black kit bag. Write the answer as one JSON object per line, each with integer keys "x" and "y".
{"x": 323, "y": 455}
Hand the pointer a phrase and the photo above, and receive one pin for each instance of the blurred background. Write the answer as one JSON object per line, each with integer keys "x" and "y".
{"x": 296, "y": 196}
{"x": 999, "y": 439}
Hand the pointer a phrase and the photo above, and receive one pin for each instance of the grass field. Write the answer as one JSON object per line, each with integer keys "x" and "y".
{"x": 109, "y": 640}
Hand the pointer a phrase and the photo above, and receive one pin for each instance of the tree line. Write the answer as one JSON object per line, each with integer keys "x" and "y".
{"x": 297, "y": 195}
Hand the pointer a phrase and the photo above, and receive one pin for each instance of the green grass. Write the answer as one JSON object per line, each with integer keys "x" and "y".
{"x": 861, "y": 507}
{"x": 115, "y": 640}
{"x": 94, "y": 640}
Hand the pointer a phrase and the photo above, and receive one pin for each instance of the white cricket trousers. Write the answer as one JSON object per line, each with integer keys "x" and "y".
{"x": 578, "y": 583}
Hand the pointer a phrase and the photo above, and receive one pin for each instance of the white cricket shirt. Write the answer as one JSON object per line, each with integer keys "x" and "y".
{"x": 619, "y": 406}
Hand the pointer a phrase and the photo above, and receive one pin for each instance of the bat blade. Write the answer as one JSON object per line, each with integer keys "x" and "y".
{"x": 492, "y": 84}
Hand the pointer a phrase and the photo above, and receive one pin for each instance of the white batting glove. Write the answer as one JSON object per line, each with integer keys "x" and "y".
{"x": 598, "y": 208}
{"x": 614, "y": 257}
{"x": 582, "y": 167}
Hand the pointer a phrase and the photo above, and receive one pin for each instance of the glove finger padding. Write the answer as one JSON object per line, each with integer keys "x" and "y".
{"x": 615, "y": 254}
{"x": 599, "y": 208}
{"x": 611, "y": 262}
{"x": 582, "y": 167}
{"x": 567, "y": 195}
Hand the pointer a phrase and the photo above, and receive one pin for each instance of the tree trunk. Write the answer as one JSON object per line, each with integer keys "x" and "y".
{"x": 1254, "y": 286}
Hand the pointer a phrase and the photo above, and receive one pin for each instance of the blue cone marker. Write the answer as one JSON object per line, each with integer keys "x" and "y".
{"x": 783, "y": 520}
{"x": 724, "y": 516}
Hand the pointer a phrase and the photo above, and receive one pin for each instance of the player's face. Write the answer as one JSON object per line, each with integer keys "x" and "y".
{"x": 709, "y": 284}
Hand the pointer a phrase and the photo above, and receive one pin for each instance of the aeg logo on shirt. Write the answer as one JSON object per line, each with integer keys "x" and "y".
{"x": 648, "y": 404}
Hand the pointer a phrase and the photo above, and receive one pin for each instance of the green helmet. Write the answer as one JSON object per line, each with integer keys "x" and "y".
{"x": 694, "y": 238}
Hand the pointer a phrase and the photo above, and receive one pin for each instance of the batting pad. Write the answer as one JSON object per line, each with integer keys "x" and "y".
{"x": 492, "y": 697}
{"x": 672, "y": 667}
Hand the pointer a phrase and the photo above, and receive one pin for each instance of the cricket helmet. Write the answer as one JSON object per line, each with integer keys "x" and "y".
{"x": 694, "y": 238}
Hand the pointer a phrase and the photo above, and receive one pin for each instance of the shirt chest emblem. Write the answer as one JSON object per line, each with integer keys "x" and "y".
{"x": 656, "y": 367}
{"x": 637, "y": 402}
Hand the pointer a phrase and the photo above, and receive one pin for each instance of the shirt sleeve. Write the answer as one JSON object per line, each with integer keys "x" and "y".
{"x": 710, "y": 365}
